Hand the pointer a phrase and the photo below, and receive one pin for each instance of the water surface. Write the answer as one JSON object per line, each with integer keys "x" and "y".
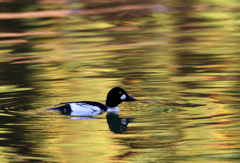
{"x": 179, "y": 59}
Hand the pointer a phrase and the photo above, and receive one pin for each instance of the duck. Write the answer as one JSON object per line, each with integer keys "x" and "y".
{"x": 115, "y": 96}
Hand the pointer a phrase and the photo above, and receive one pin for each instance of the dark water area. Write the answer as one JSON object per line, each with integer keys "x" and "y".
{"x": 180, "y": 59}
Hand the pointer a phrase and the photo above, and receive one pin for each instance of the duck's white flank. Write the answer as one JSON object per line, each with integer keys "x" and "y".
{"x": 84, "y": 109}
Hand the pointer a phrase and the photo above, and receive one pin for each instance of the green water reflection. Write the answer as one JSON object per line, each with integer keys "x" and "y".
{"x": 180, "y": 59}
{"x": 169, "y": 137}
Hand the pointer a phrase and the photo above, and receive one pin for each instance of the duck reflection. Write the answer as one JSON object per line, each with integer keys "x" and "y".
{"x": 116, "y": 124}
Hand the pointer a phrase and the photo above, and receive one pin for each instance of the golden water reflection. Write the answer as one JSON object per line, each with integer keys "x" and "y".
{"x": 197, "y": 134}
{"x": 179, "y": 59}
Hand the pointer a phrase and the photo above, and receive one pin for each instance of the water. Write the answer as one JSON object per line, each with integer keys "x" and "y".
{"x": 180, "y": 60}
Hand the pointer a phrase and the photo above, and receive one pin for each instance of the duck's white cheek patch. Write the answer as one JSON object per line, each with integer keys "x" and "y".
{"x": 123, "y": 97}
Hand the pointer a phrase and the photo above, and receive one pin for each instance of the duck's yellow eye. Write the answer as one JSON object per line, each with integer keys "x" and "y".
{"x": 120, "y": 92}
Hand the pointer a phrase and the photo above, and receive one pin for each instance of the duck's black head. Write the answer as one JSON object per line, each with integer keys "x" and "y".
{"x": 117, "y": 95}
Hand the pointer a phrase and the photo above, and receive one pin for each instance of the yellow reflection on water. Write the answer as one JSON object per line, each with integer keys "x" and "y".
{"x": 72, "y": 140}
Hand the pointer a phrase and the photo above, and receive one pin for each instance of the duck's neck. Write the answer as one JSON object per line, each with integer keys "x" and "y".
{"x": 113, "y": 110}
{"x": 111, "y": 103}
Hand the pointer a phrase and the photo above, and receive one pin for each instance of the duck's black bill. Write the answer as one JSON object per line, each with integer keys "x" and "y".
{"x": 130, "y": 98}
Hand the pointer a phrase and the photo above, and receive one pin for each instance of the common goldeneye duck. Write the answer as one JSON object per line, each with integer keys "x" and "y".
{"x": 87, "y": 108}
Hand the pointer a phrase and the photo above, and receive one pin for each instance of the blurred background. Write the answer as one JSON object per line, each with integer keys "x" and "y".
{"x": 179, "y": 58}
